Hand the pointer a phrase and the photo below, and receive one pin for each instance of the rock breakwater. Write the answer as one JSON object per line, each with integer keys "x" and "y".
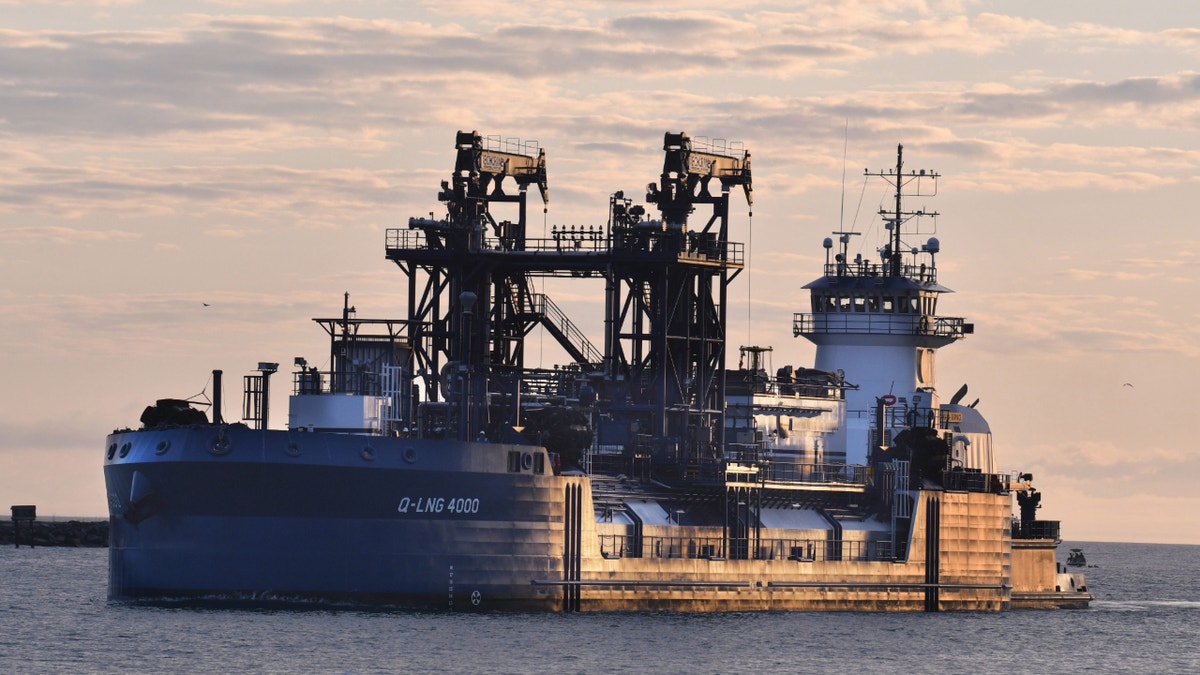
{"x": 57, "y": 533}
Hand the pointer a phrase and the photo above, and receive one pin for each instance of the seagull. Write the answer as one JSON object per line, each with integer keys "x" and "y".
{"x": 1128, "y": 385}
{"x": 205, "y": 304}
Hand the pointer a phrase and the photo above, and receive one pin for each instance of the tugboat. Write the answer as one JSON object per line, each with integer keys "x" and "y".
{"x": 431, "y": 466}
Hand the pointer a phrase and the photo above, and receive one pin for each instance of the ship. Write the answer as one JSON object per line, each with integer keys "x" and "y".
{"x": 429, "y": 463}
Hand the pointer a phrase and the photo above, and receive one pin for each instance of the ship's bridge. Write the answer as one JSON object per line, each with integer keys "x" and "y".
{"x": 875, "y": 322}
{"x": 860, "y": 298}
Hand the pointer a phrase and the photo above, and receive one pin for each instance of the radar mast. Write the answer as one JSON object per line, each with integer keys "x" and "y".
{"x": 895, "y": 219}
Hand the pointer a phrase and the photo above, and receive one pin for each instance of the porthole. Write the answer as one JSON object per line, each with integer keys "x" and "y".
{"x": 162, "y": 447}
{"x": 124, "y": 450}
{"x": 368, "y": 453}
{"x": 410, "y": 455}
{"x": 112, "y": 450}
{"x": 292, "y": 450}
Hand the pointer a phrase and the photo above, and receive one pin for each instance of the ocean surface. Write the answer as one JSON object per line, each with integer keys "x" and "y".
{"x": 55, "y": 618}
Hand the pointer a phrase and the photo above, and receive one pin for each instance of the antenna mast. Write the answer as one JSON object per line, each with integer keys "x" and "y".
{"x": 895, "y": 219}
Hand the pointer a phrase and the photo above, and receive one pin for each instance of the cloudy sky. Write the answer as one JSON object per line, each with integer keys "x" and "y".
{"x": 157, "y": 156}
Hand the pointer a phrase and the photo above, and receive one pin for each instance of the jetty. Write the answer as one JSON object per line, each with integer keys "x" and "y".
{"x": 24, "y": 531}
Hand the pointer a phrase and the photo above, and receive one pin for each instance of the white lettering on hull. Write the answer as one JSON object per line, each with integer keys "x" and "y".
{"x": 459, "y": 505}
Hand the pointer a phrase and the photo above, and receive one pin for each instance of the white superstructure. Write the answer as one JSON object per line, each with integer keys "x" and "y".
{"x": 876, "y": 323}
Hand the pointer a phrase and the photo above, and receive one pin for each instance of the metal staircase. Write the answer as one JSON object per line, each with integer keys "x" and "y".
{"x": 542, "y": 309}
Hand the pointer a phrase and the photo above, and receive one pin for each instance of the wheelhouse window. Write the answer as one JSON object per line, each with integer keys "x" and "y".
{"x": 823, "y": 303}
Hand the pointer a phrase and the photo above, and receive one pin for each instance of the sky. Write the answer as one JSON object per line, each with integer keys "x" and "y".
{"x": 185, "y": 184}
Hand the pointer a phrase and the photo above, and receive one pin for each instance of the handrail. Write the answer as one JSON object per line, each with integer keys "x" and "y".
{"x": 312, "y": 382}
{"x": 868, "y": 323}
{"x": 770, "y": 548}
{"x": 542, "y": 305}
{"x": 975, "y": 481}
{"x": 921, "y": 272}
{"x": 588, "y": 242}
{"x": 824, "y": 473}
{"x": 1038, "y": 529}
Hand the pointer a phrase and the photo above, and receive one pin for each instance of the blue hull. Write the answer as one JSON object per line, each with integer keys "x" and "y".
{"x": 282, "y": 516}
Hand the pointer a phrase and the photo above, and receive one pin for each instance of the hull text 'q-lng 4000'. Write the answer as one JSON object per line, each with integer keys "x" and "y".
{"x": 433, "y": 465}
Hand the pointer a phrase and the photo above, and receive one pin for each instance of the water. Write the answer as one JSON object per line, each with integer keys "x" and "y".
{"x": 54, "y": 617}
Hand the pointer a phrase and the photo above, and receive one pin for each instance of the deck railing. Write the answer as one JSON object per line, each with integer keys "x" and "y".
{"x": 866, "y": 323}
{"x": 920, "y": 272}
{"x": 785, "y": 472}
{"x": 714, "y": 548}
{"x": 689, "y": 246}
{"x": 1037, "y": 529}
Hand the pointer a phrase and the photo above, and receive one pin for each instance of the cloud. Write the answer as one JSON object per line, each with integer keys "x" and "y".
{"x": 1185, "y": 38}
{"x": 220, "y": 74}
{"x": 1163, "y": 268}
{"x": 270, "y": 84}
{"x": 110, "y": 325}
{"x": 74, "y": 3}
{"x": 129, "y": 191}
{"x": 1104, "y": 466}
{"x": 1149, "y": 101}
{"x": 61, "y": 235}
{"x": 226, "y": 232}
{"x": 1062, "y": 326}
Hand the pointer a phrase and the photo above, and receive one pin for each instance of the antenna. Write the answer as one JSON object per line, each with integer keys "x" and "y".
{"x": 845, "y": 145}
{"x": 896, "y": 219}
{"x": 749, "y": 278}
